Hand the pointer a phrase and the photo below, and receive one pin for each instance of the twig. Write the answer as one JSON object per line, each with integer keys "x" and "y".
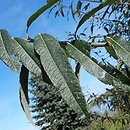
{"x": 77, "y": 70}
{"x": 99, "y": 44}
{"x": 64, "y": 43}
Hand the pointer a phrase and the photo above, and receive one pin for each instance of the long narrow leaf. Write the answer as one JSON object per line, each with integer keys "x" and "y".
{"x": 111, "y": 51}
{"x": 121, "y": 50}
{"x": 100, "y": 99}
{"x": 6, "y": 52}
{"x": 55, "y": 63}
{"x": 45, "y": 77}
{"x": 93, "y": 68}
{"x": 40, "y": 11}
{"x": 93, "y": 11}
{"x": 116, "y": 73}
{"x": 26, "y": 55}
{"x": 24, "y": 100}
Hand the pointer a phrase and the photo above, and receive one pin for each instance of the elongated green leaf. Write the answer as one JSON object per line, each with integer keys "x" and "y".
{"x": 111, "y": 51}
{"x": 115, "y": 73}
{"x": 26, "y": 55}
{"x": 45, "y": 77}
{"x": 82, "y": 45}
{"x": 40, "y": 11}
{"x": 6, "y": 52}
{"x": 24, "y": 100}
{"x": 93, "y": 11}
{"x": 122, "y": 50}
{"x": 99, "y": 99}
{"x": 55, "y": 63}
{"x": 79, "y": 4}
{"x": 93, "y": 68}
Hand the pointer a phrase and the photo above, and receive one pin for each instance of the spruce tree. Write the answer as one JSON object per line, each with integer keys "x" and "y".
{"x": 51, "y": 111}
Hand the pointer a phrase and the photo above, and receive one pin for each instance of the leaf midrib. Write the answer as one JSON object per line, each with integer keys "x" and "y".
{"x": 119, "y": 46}
{"x": 19, "y": 45}
{"x": 61, "y": 73}
{"x": 3, "y": 45}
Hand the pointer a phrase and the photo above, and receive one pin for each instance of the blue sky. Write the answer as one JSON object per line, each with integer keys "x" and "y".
{"x": 14, "y": 14}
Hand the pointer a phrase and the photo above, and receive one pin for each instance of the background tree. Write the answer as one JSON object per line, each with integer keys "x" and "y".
{"x": 52, "y": 112}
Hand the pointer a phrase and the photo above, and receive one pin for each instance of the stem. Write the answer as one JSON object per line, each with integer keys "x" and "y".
{"x": 99, "y": 44}
{"x": 77, "y": 70}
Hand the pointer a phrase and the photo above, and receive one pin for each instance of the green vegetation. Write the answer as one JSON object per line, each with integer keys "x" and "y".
{"x": 57, "y": 97}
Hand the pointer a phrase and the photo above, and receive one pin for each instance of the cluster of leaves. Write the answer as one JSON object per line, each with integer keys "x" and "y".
{"x": 119, "y": 100}
{"x": 107, "y": 124}
{"x": 59, "y": 70}
{"x": 48, "y": 58}
{"x": 116, "y": 105}
{"x": 114, "y": 20}
{"x": 52, "y": 112}
{"x": 45, "y": 58}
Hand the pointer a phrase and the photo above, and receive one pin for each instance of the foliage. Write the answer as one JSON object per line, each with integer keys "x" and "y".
{"x": 52, "y": 112}
{"x": 112, "y": 20}
{"x": 116, "y": 116}
{"x": 55, "y": 63}
{"x": 48, "y": 58}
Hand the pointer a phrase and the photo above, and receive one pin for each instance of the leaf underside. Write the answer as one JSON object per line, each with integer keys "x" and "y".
{"x": 23, "y": 92}
{"x": 55, "y": 63}
{"x": 122, "y": 49}
{"x": 6, "y": 52}
{"x": 26, "y": 55}
{"x": 93, "y": 68}
{"x": 111, "y": 51}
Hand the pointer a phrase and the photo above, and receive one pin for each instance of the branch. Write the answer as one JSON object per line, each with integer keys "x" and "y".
{"x": 99, "y": 99}
{"x": 93, "y": 1}
{"x": 120, "y": 64}
{"x": 93, "y": 44}
{"x": 29, "y": 39}
{"x": 99, "y": 44}
{"x": 64, "y": 43}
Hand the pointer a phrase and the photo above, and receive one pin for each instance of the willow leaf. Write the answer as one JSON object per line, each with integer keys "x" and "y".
{"x": 82, "y": 45}
{"x": 93, "y": 11}
{"x": 111, "y": 51}
{"x": 79, "y": 4}
{"x": 55, "y": 63}
{"x": 26, "y": 55}
{"x": 100, "y": 99}
{"x": 24, "y": 100}
{"x": 121, "y": 49}
{"x": 93, "y": 68}
{"x": 6, "y": 52}
{"x": 45, "y": 77}
{"x": 116, "y": 73}
{"x": 40, "y": 11}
